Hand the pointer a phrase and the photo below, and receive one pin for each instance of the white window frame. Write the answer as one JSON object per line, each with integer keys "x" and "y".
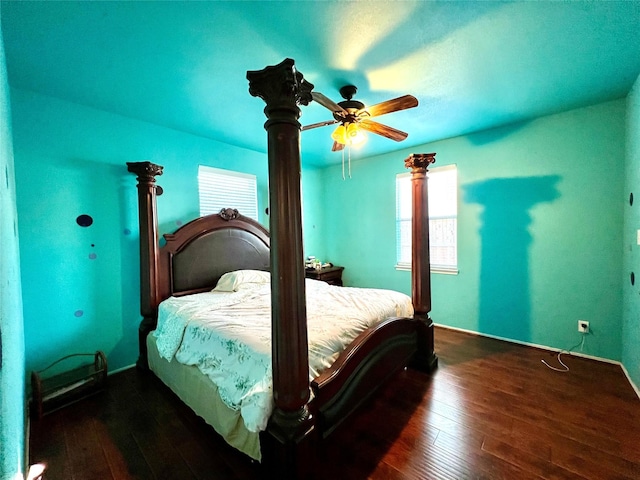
{"x": 448, "y": 263}
{"x": 218, "y": 189}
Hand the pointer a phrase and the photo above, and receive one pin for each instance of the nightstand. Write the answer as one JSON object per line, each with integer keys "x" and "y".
{"x": 331, "y": 275}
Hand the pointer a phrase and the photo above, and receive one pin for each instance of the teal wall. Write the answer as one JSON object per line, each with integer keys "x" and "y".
{"x": 631, "y": 315}
{"x": 12, "y": 357}
{"x": 81, "y": 284}
{"x": 539, "y": 228}
{"x": 313, "y": 212}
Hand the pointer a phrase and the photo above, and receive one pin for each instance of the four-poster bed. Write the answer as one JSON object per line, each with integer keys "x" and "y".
{"x": 198, "y": 254}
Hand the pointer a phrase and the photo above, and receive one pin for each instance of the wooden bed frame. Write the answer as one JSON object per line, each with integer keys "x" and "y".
{"x": 196, "y": 255}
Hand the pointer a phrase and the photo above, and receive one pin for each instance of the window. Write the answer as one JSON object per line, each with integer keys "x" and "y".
{"x": 220, "y": 189}
{"x": 443, "y": 219}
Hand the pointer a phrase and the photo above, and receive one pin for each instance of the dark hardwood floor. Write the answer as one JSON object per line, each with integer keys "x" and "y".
{"x": 492, "y": 410}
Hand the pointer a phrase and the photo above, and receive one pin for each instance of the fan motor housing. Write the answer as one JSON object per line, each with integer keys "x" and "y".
{"x": 351, "y": 106}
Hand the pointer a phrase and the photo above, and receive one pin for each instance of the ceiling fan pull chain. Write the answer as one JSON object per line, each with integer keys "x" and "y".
{"x": 349, "y": 147}
{"x": 343, "y": 164}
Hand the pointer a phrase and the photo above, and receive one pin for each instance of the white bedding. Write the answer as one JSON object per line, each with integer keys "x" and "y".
{"x": 227, "y": 334}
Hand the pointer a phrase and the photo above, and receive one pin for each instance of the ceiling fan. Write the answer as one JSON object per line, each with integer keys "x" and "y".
{"x": 353, "y": 116}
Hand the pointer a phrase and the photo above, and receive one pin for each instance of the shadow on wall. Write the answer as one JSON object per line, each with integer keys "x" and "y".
{"x": 126, "y": 348}
{"x": 504, "y": 271}
{"x": 115, "y": 282}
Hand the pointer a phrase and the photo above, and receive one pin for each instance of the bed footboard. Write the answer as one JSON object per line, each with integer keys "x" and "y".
{"x": 373, "y": 357}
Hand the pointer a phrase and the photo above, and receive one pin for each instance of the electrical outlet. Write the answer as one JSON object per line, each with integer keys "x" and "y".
{"x": 583, "y": 326}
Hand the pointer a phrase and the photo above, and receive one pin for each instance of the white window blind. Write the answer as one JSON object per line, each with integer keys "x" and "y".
{"x": 220, "y": 189}
{"x": 443, "y": 219}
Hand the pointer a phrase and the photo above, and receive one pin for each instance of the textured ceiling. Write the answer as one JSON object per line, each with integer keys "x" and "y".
{"x": 472, "y": 65}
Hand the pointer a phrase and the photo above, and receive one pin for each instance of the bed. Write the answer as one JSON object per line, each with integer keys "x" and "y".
{"x": 306, "y": 403}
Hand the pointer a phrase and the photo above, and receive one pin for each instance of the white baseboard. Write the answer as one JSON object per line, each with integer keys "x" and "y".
{"x": 633, "y": 385}
{"x": 545, "y": 347}
{"x": 121, "y": 369}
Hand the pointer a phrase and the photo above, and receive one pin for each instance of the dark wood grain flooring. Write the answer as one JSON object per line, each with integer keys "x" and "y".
{"x": 492, "y": 410}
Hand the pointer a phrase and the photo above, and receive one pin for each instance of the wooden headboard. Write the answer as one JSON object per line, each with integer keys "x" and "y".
{"x": 194, "y": 257}
{"x": 200, "y": 252}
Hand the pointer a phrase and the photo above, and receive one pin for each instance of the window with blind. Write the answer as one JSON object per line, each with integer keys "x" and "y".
{"x": 220, "y": 189}
{"x": 443, "y": 219}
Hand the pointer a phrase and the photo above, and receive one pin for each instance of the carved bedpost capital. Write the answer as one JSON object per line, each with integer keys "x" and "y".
{"x": 146, "y": 171}
{"x": 304, "y": 91}
{"x": 419, "y": 161}
{"x": 282, "y": 87}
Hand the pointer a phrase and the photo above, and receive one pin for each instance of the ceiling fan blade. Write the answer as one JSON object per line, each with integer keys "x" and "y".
{"x": 393, "y": 105}
{"x": 384, "y": 130}
{"x": 328, "y": 103}
{"x": 337, "y": 147}
{"x": 319, "y": 124}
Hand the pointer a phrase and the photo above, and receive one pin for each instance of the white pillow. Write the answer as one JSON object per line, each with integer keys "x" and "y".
{"x": 232, "y": 281}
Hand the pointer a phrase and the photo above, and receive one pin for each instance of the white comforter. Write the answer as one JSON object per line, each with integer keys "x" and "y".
{"x": 227, "y": 335}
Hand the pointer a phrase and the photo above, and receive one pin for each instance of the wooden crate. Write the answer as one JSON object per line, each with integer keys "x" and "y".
{"x": 56, "y": 391}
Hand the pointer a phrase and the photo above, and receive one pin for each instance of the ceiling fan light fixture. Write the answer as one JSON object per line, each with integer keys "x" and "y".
{"x": 340, "y": 135}
{"x": 348, "y": 134}
{"x": 355, "y": 135}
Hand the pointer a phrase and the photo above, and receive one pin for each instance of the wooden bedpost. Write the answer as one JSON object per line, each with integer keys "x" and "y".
{"x": 291, "y": 432}
{"x": 148, "y": 218}
{"x": 420, "y": 261}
